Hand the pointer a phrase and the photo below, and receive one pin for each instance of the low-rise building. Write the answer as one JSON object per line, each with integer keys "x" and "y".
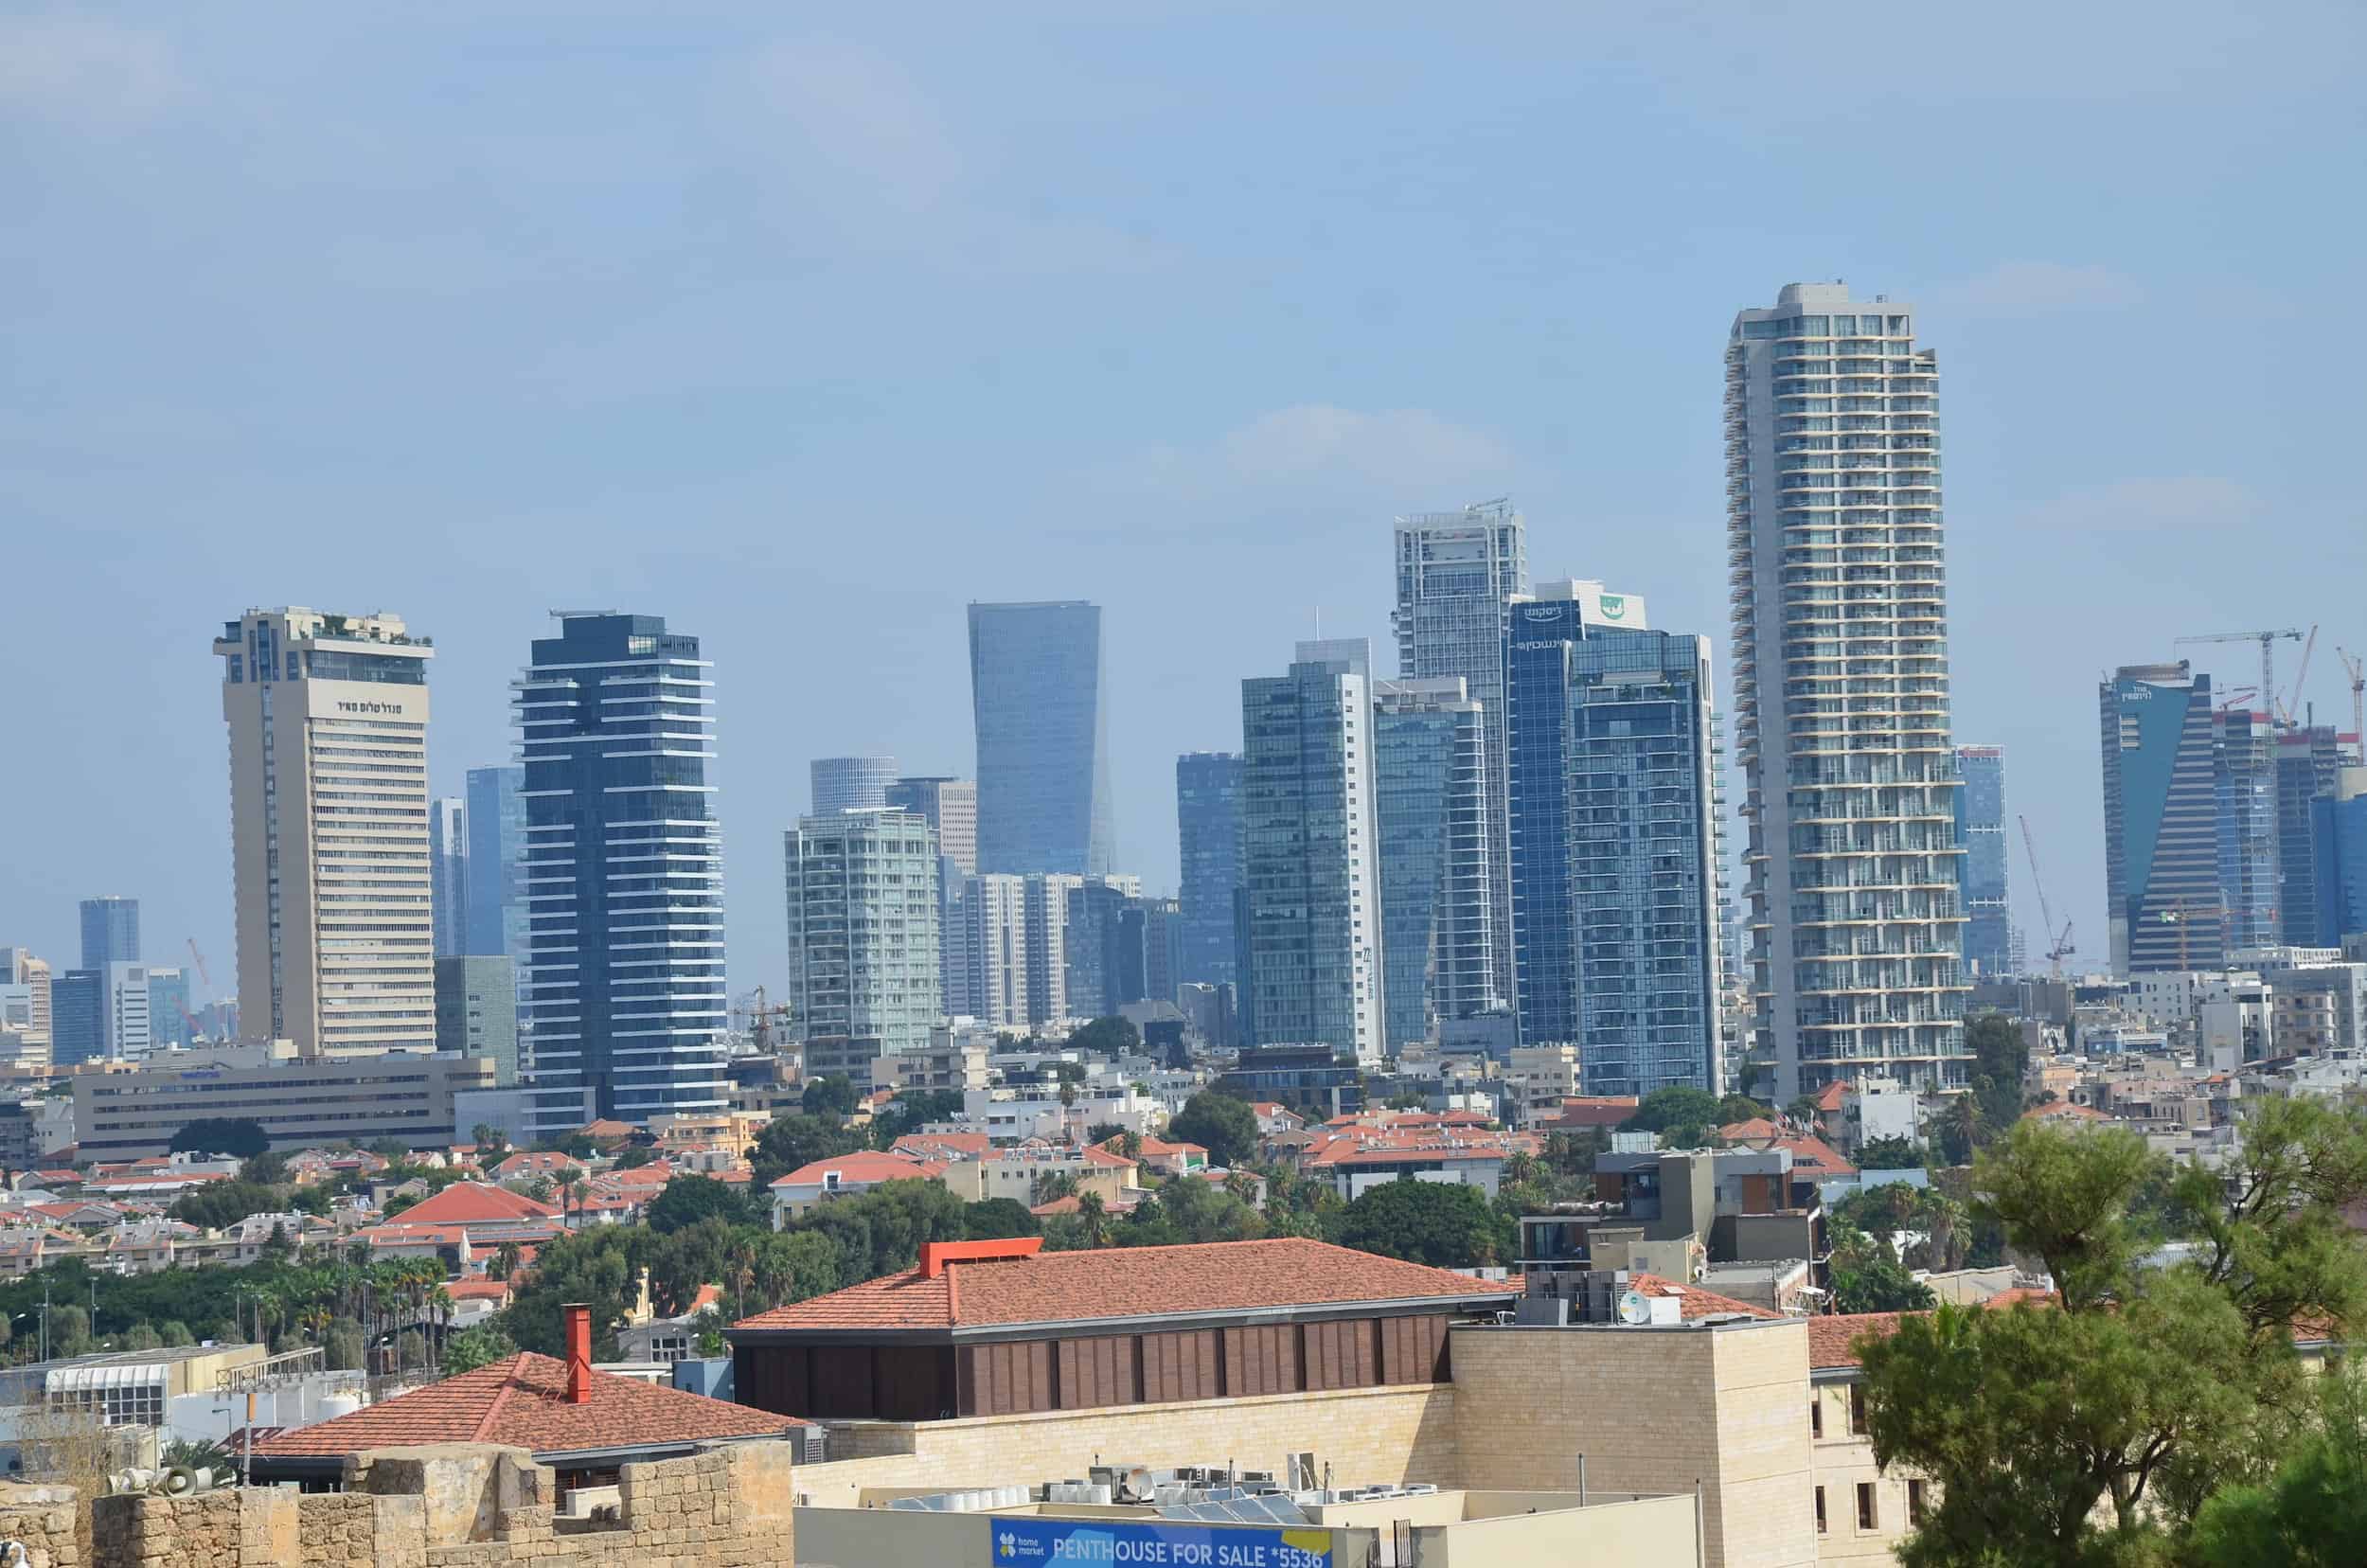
{"x": 297, "y": 1100}
{"x": 843, "y": 1176}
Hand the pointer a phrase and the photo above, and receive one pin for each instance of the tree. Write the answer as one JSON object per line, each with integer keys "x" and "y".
{"x": 142, "y": 1337}
{"x": 220, "y": 1204}
{"x": 343, "y": 1346}
{"x": 994, "y": 1218}
{"x": 1880, "y": 1286}
{"x": 2000, "y": 1058}
{"x": 1445, "y": 1225}
{"x": 485, "y": 1137}
{"x": 239, "y": 1136}
{"x": 707, "y": 1253}
{"x": 633, "y": 1157}
{"x": 793, "y": 1141}
{"x": 69, "y": 1330}
{"x": 1068, "y": 1071}
{"x": 688, "y": 1199}
{"x": 1223, "y": 1124}
{"x": 1959, "y": 1130}
{"x": 2311, "y": 1512}
{"x": 1106, "y": 1037}
{"x": 265, "y": 1169}
{"x": 473, "y": 1348}
{"x": 1889, "y": 1154}
{"x": 832, "y": 1095}
{"x": 1094, "y": 1216}
{"x": 598, "y": 1267}
{"x": 1665, "y": 1110}
{"x": 173, "y": 1333}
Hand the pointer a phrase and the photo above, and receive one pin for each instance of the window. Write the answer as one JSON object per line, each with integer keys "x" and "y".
{"x": 1857, "y": 1408}
{"x": 1865, "y": 1506}
{"x": 1819, "y": 1511}
{"x": 1816, "y": 1416}
{"x": 1914, "y": 1503}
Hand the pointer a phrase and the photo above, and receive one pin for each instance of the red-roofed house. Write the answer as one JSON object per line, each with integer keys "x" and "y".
{"x": 1001, "y": 1327}
{"x": 584, "y": 1424}
{"x": 1581, "y": 1111}
{"x": 483, "y": 1209}
{"x": 843, "y": 1176}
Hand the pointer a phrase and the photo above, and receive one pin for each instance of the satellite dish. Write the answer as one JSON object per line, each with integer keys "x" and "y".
{"x": 1635, "y": 1308}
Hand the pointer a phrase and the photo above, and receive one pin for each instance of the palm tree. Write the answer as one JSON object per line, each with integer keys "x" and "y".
{"x": 1094, "y": 1215}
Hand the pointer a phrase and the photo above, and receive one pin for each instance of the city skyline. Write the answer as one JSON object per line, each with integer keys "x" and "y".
{"x": 1213, "y": 470}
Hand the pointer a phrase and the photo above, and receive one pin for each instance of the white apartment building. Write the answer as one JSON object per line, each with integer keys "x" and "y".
{"x": 863, "y": 929}
{"x": 1842, "y": 691}
{"x": 328, "y": 832}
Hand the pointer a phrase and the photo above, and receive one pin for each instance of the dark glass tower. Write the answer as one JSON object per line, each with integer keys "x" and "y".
{"x": 2161, "y": 821}
{"x": 1208, "y": 833}
{"x": 111, "y": 933}
{"x": 1038, "y": 697}
{"x": 623, "y": 992}
{"x": 1981, "y": 828}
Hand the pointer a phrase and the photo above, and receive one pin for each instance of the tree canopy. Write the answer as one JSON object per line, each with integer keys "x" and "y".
{"x": 831, "y": 1095}
{"x": 1223, "y": 1124}
{"x": 688, "y": 1198}
{"x": 239, "y": 1136}
{"x": 1889, "y": 1154}
{"x": 1106, "y": 1037}
{"x": 1445, "y": 1225}
{"x": 794, "y": 1140}
{"x": 1666, "y": 1110}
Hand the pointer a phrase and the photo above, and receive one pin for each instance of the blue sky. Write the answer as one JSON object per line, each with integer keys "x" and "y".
{"x": 804, "y": 327}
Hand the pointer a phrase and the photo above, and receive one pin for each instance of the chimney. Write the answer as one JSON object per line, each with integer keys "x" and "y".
{"x": 578, "y": 1318}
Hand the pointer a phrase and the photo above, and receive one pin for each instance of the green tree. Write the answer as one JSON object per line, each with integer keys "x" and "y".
{"x": 832, "y": 1095}
{"x": 1880, "y": 1286}
{"x": 218, "y": 1205}
{"x": 1106, "y": 1037}
{"x": 705, "y": 1253}
{"x": 239, "y": 1136}
{"x": 69, "y": 1330}
{"x": 1443, "y": 1223}
{"x": 790, "y": 1267}
{"x": 1958, "y": 1130}
{"x": 633, "y": 1156}
{"x": 265, "y": 1169}
{"x": 343, "y": 1345}
{"x": 2311, "y": 1512}
{"x": 1223, "y": 1124}
{"x": 598, "y": 1267}
{"x": 480, "y": 1346}
{"x": 142, "y": 1337}
{"x": 173, "y": 1333}
{"x": 1889, "y": 1154}
{"x": 1665, "y": 1110}
{"x": 687, "y": 1199}
{"x": 792, "y": 1141}
{"x": 994, "y": 1218}
{"x": 2001, "y": 1060}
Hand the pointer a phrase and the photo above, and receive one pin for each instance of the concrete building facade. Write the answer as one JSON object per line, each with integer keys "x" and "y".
{"x": 302, "y": 1099}
{"x": 864, "y": 928}
{"x": 329, "y": 833}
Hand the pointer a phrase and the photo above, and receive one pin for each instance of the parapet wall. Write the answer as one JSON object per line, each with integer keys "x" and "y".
{"x": 456, "y": 1507}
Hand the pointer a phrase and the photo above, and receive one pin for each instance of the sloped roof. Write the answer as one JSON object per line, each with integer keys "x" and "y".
{"x": 473, "y": 1204}
{"x": 1692, "y": 1301}
{"x": 863, "y": 1167}
{"x": 1068, "y": 1287}
{"x": 1830, "y": 1097}
{"x": 1832, "y": 1341}
{"x": 522, "y": 1401}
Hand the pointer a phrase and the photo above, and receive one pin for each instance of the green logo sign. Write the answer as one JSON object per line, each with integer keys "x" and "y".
{"x": 1614, "y": 606}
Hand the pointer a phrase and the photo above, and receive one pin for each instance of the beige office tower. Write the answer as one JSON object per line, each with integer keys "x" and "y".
{"x": 329, "y": 829}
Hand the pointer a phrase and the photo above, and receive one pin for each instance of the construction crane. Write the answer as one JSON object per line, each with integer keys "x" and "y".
{"x": 763, "y": 1019}
{"x": 2357, "y": 670}
{"x": 2059, "y": 942}
{"x": 2268, "y": 659}
{"x": 2300, "y": 674}
{"x": 200, "y": 959}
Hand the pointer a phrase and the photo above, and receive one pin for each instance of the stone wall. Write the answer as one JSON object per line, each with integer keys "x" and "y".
{"x": 457, "y": 1506}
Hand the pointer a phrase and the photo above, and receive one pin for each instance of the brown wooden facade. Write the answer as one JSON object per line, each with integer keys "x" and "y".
{"x": 905, "y": 1379}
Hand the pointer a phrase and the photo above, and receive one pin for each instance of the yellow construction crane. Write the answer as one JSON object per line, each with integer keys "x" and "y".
{"x": 2357, "y": 670}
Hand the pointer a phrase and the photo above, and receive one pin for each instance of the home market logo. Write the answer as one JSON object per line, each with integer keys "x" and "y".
{"x": 1006, "y": 1544}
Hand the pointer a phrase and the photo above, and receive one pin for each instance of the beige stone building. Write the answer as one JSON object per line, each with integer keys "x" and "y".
{"x": 329, "y": 829}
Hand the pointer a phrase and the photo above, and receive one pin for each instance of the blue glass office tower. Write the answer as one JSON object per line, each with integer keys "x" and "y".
{"x": 2244, "y": 796}
{"x": 77, "y": 1017}
{"x": 1208, "y": 836}
{"x": 1614, "y": 847}
{"x": 2310, "y": 761}
{"x": 170, "y": 1016}
{"x": 2161, "y": 821}
{"x": 624, "y": 980}
{"x": 2339, "y": 857}
{"x": 111, "y": 933}
{"x": 1981, "y": 828}
{"x": 448, "y": 874}
{"x": 497, "y": 865}
{"x": 1040, "y": 700}
{"x": 1437, "y": 896}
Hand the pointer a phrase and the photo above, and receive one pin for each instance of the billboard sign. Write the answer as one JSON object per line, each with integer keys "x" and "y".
{"x": 1027, "y": 1543}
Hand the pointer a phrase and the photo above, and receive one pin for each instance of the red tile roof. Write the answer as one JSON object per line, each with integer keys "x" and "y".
{"x": 1757, "y": 1127}
{"x": 1815, "y": 1157}
{"x": 2065, "y": 1108}
{"x": 522, "y": 1401}
{"x": 1831, "y": 1097}
{"x": 1594, "y": 1110}
{"x": 1067, "y": 1287}
{"x": 938, "y": 1145}
{"x": 473, "y": 1204}
{"x": 1832, "y": 1341}
{"x": 495, "y": 1290}
{"x": 1692, "y": 1301}
{"x": 863, "y": 1168}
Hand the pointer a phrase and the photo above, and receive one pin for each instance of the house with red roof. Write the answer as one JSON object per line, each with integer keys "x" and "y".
{"x": 1002, "y": 1328}
{"x": 843, "y": 1176}
{"x": 584, "y": 1424}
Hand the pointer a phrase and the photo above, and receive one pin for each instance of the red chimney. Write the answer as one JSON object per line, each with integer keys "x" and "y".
{"x": 579, "y": 1353}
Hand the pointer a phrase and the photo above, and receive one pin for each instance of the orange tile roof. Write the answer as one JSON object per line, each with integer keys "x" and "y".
{"x": 479, "y": 1289}
{"x": 1831, "y": 1097}
{"x": 2065, "y": 1108}
{"x": 474, "y": 1204}
{"x": 1692, "y": 1301}
{"x": 1068, "y": 1287}
{"x": 863, "y": 1168}
{"x": 1815, "y": 1157}
{"x": 1757, "y": 1127}
{"x": 522, "y": 1401}
{"x": 940, "y": 1146}
{"x": 1595, "y": 1110}
{"x": 1832, "y": 1341}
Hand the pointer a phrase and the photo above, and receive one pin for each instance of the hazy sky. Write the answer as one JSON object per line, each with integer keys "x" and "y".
{"x": 804, "y": 326}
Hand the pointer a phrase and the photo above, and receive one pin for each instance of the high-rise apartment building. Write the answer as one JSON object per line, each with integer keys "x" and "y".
{"x": 1208, "y": 841}
{"x": 496, "y": 883}
{"x": 328, "y": 835}
{"x": 1039, "y": 694}
{"x": 987, "y": 959}
{"x": 20, "y": 968}
{"x": 1438, "y": 899}
{"x": 950, "y": 806}
{"x": 1988, "y": 856}
{"x": 851, "y": 783}
{"x": 624, "y": 874}
{"x": 111, "y": 931}
{"x": 1457, "y": 576}
{"x": 2161, "y": 821}
{"x": 448, "y": 872}
{"x": 1615, "y": 847}
{"x": 2309, "y": 762}
{"x": 1310, "y": 861}
{"x": 2244, "y": 797}
{"x": 863, "y": 929}
{"x": 1840, "y": 684}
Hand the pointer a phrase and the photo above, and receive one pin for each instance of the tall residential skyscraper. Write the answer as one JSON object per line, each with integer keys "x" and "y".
{"x": 1309, "y": 854}
{"x": 864, "y": 928}
{"x": 2244, "y": 796}
{"x": 1436, "y": 836}
{"x": 624, "y": 980}
{"x": 986, "y": 963}
{"x": 851, "y": 783}
{"x": 1457, "y": 576}
{"x": 2309, "y": 762}
{"x": 952, "y": 806}
{"x": 1841, "y": 625}
{"x": 328, "y": 717}
{"x": 448, "y": 872}
{"x": 497, "y": 865}
{"x": 1615, "y": 847}
{"x": 1208, "y": 838}
{"x": 1039, "y": 694}
{"x": 2161, "y": 821}
{"x": 1981, "y": 828}
{"x": 111, "y": 931}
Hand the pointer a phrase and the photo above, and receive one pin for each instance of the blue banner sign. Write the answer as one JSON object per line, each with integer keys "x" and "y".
{"x": 1114, "y": 1543}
